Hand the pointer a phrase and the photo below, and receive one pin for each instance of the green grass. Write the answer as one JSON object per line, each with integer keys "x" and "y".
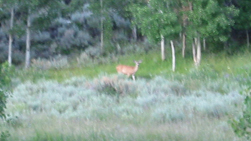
{"x": 152, "y": 65}
{"x": 53, "y": 129}
{"x": 189, "y": 104}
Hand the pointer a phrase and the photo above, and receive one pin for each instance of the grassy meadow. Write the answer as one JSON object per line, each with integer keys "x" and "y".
{"x": 74, "y": 100}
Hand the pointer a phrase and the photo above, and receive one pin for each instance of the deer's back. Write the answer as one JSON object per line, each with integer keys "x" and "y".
{"x": 129, "y": 70}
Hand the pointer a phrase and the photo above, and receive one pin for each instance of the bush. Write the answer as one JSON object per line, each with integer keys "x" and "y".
{"x": 114, "y": 85}
{"x": 17, "y": 57}
{"x": 93, "y": 52}
{"x": 4, "y": 136}
{"x": 92, "y": 57}
{"x": 5, "y": 83}
{"x": 2, "y": 103}
{"x": 109, "y": 96}
{"x": 242, "y": 126}
{"x": 162, "y": 86}
{"x": 58, "y": 62}
{"x": 73, "y": 39}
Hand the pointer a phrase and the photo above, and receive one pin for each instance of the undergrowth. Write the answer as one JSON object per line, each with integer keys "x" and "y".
{"x": 157, "y": 97}
{"x": 116, "y": 95}
{"x": 109, "y": 98}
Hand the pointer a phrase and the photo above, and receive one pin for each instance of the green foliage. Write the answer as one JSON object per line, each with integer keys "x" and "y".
{"x": 14, "y": 122}
{"x": 31, "y": 74}
{"x": 211, "y": 19}
{"x": 156, "y": 19}
{"x": 5, "y": 84}
{"x": 242, "y": 21}
{"x": 73, "y": 39}
{"x": 4, "y": 136}
{"x": 242, "y": 125}
{"x": 2, "y": 103}
{"x": 6, "y": 74}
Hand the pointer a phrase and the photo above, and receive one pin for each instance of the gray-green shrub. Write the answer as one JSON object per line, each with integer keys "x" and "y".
{"x": 114, "y": 96}
{"x": 57, "y": 62}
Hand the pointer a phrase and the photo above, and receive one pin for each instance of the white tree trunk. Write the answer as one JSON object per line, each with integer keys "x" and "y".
{"x": 173, "y": 56}
{"x": 11, "y": 37}
{"x": 183, "y": 44}
{"x": 27, "y": 56}
{"x": 194, "y": 52}
{"x": 198, "y": 52}
{"x": 162, "y": 48}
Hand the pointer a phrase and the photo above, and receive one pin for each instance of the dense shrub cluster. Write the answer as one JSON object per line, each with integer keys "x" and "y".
{"x": 91, "y": 57}
{"x": 2, "y": 103}
{"x": 242, "y": 124}
{"x": 58, "y": 62}
{"x": 160, "y": 99}
{"x": 5, "y": 84}
{"x": 4, "y": 136}
{"x": 114, "y": 86}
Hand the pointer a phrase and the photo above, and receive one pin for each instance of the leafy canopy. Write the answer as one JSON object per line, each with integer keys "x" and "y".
{"x": 156, "y": 18}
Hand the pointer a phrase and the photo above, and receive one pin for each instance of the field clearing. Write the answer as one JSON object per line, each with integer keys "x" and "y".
{"x": 95, "y": 103}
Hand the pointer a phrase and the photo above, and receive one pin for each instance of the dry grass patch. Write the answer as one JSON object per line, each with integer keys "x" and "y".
{"x": 40, "y": 127}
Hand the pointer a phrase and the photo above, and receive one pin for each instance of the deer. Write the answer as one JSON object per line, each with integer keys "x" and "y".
{"x": 129, "y": 70}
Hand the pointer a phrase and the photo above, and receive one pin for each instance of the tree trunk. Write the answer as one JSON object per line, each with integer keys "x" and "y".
{"x": 194, "y": 51}
{"x": 102, "y": 38}
{"x": 11, "y": 37}
{"x": 204, "y": 43}
{"x": 134, "y": 33}
{"x": 27, "y": 57}
{"x": 173, "y": 56}
{"x": 183, "y": 44}
{"x": 198, "y": 52}
{"x": 162, "y": 48}
{"x": 247, "y": 34}
{"x": 118, "y": 49}
{"x": 102, "y": 28}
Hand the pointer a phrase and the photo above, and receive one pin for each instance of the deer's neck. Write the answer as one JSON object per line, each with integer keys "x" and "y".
{"x": 136, "y": 67}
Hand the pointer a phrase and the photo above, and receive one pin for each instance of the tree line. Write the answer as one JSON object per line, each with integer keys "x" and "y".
{"x": 43, "y": 28}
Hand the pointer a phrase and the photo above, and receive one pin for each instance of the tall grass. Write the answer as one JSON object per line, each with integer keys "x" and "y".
{"x": 93, "y": 102}
{"x": 118, "y": 100}
{"x": 216, "y": 65}
{"x": 74, "y": 130}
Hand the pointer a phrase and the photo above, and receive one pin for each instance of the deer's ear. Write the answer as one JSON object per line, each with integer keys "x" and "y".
{"x": 140, "y": 61}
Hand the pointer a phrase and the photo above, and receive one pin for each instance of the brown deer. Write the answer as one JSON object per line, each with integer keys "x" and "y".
{"x": 129, "y": 70}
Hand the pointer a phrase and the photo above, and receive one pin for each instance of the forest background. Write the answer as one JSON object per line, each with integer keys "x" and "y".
{"x": 43, "y": 29}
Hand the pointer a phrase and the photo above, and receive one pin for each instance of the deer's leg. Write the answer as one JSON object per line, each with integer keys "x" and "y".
{"x": 133, "y": 77}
